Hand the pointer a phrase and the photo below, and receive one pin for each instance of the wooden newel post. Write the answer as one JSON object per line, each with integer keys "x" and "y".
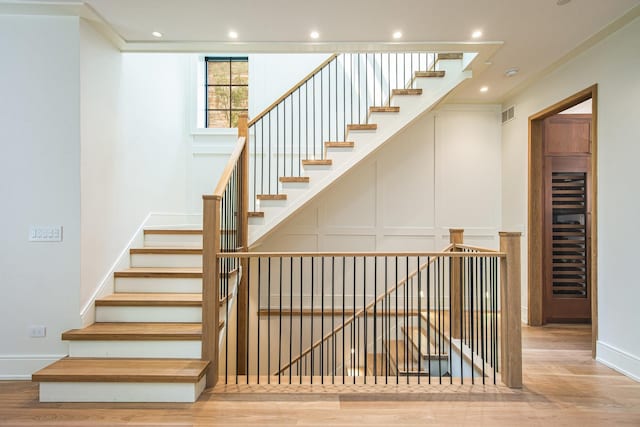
{"x": 510, "y": 321}
{"x": 243, "y": 242}
{"x": 210, "y": 285}
{"x": 456, "y": 237}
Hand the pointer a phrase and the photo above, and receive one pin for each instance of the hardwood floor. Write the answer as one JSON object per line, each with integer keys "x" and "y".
{"x": 563, "y": 387}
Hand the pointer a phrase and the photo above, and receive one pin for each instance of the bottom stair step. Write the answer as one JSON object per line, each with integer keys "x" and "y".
{"x": 122, "y": 380}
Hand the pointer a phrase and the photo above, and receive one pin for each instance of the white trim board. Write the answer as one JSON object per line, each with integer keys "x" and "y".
{"x": 21, "y": 366}
{"x": 618, "y": 360}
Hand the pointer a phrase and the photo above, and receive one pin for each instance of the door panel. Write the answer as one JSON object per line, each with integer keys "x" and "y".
{"x": 567, "y": 134}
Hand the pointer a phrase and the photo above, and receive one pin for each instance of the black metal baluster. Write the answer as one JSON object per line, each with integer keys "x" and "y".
{"x": 420, "y": 321}
{"x": 397, "y": 349}
{"x": 333, "y": 318}
{"x": 269, "y": 323}
{"x": 375, "y": 320}
{"x": 301, "y": 307}
{"x": 248, "y": 317}
{"x": 429, "y": 316}
{"x": 353, "y": 346}
{"x": 364, "y": 308}
{"x": 291, "y": 315}
{"x": 312, "y": 316}
{"x": 280, "y": 319}
{"x": 343, "y": 304}
{"x": 269, "y": 159}
{"x": 258, "y": 349}
{"x": 322, "y": 322}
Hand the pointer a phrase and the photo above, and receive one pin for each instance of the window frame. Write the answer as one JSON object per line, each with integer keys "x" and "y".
{"x": 231, "y": 85}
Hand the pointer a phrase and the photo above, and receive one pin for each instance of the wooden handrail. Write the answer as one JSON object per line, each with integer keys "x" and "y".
{"x": 293, "y": 89}
{"x": 445, "y": 251}
{"x": 228, "y": 169}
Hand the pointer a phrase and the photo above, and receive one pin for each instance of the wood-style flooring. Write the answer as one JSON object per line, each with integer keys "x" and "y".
{"x": 563, "y": 387}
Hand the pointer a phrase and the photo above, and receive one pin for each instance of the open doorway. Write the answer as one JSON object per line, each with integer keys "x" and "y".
{"x": 562, "y": 212}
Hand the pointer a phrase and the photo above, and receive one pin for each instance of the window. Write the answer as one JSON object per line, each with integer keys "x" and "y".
{"x": 227, "y": 90}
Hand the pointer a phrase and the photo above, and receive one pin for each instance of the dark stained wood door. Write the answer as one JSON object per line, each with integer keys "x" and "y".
{"x": 567, "y": 240}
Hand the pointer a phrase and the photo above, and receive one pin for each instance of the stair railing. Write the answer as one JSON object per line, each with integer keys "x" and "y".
{"x": 318, "y": 109}
{"x": 377, "y": 317}
{"x": 224, "y": 229}
{"x": 361, "y": 313}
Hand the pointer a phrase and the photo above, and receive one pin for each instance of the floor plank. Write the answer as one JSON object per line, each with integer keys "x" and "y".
{"x": 563, "y": 387}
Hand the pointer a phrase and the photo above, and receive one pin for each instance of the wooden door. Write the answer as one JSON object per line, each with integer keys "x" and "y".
{"x": 567, "y": 174}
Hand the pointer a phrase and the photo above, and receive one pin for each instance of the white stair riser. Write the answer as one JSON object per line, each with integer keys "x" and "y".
{"x": 121, "y": 392}
{"x": 136, "y": 349}
{"x": 148, "y": 314}
{"x": 316, "y": 172}
{"x": 173, "y": 240}
{"x": 158, "y": 285}
{"x": 406, "y": 102}
{"x": 383, "y": 119}
{"x": 271, "y": 204}
{"x": 288, "y": 187}
{"x": 168, "y": 260}
{"x": 339, "y": 155}
{"x": 256, "y": 220}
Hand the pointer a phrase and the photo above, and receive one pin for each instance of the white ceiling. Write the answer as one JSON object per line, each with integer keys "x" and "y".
{"x": 531, "y": 35}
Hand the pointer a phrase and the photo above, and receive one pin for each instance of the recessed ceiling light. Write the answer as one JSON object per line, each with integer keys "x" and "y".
{"x": 562, "y": 2}
{"x": 511, "y": 72}
{"x": 476, "y": 34}
{"x": 157, "y": 34}
{"x": 314, "y": 35}
{"x": 397, "y": 35}
{"x": 233, "y": 35}
{"x": 484, "y": 89}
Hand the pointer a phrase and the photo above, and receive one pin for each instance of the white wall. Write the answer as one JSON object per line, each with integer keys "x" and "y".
{"x": 271, "y": 75}
{"x": 443, "y": 171}
{"x": 134, "y": 148}
{"x": 613, "y": 64}
{"x": 39, "y": 185}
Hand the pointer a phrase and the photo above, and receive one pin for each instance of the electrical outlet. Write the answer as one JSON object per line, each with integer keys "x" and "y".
{"x": 45, "y": 233}
{"x": 37, "y": 331}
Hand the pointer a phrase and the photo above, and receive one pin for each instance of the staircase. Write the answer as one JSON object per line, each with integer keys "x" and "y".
{"x": 145, "y": 345}
{"x": 292, "y": 173}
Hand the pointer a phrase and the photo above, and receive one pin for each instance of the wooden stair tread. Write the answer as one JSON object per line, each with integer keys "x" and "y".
{"x": 339, "y": 144}
{"x": 388, "y": 109}
{"x": 303, "y": 179}
{"x": 449, "y": 55}
{"x": 429, "y": 74}
{"x": 256, "y": 214}
{"x": 165, "y": 251}
{"x": 150, "y": 300}
{"x": 427, "y": 349}
{"x": 406, "y": 92}
{"x": 173, "y": 231}
{"x": 130, "y": 331}
{"x": 161, "y": 272}
{"x": 320, "y": 162}
{"x": 369, "y": 126}
{"x": 123, "y": 370}
{"x": 271, "y": 196}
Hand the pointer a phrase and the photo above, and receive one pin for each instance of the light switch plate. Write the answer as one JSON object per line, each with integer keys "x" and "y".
{"x": 49, "y": 233}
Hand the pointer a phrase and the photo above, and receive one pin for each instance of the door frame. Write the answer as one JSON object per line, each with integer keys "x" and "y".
{"x": 536, "y": 209}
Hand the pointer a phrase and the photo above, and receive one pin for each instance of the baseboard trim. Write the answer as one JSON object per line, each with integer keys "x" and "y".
{"x": 19, "y": 367}
{"x": 618, "y": 360}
